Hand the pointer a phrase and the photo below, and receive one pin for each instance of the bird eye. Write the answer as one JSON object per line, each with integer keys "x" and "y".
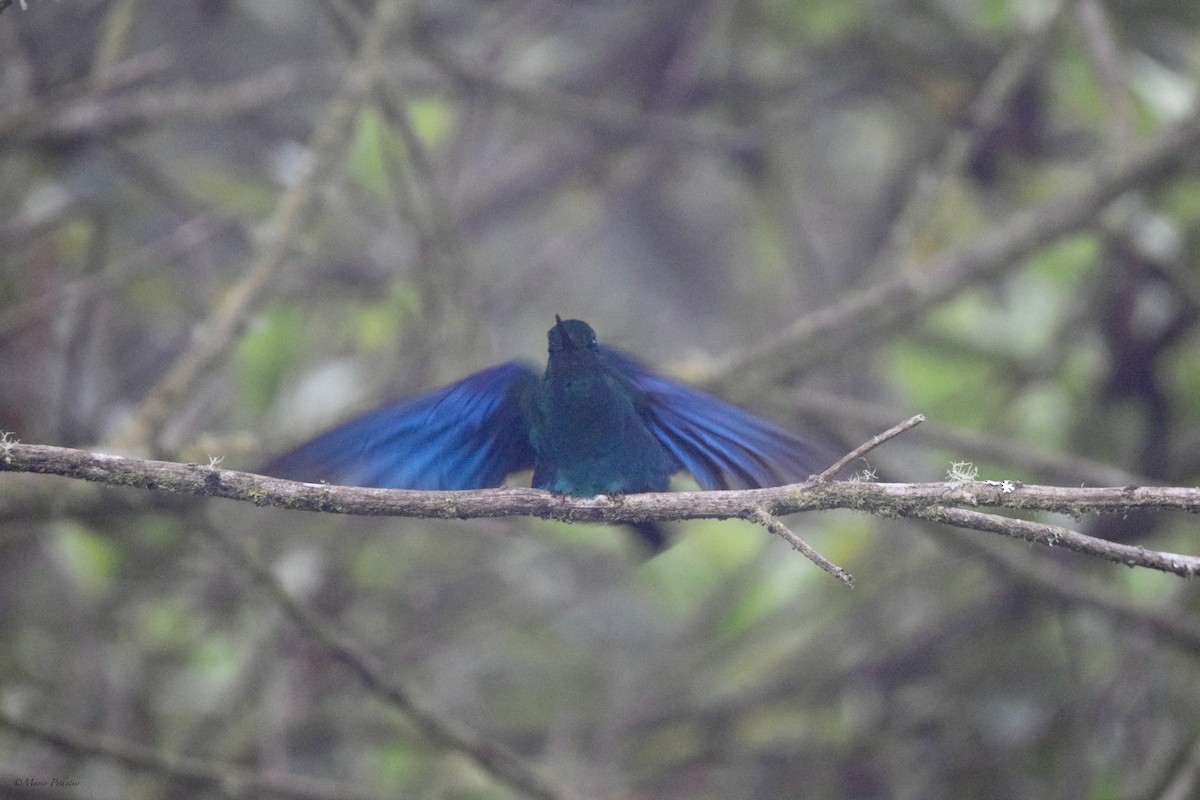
{"x": 591, "y": 345}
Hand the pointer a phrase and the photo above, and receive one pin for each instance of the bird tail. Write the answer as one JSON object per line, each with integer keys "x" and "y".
{"x": 653, "y": 536}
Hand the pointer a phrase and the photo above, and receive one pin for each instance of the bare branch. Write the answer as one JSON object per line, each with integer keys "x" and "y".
{"x": 942, "y": 501}
{"x": 1057, "y": 536}
{"x": 868, "y": 446}
{"x": 782, "y": 531}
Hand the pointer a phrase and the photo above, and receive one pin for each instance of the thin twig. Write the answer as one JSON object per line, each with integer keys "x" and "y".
{"x": 1014, "y": 454}
{"x": 777, "y": 527}
{"x": 868, "y": 446}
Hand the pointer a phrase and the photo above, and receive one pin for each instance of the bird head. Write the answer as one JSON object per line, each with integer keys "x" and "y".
{"x": 570, "y": 335}
{"x": 574, "y": 353}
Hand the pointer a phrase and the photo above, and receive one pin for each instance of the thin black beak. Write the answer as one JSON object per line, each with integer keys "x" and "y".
{"x": 567, "y": 343}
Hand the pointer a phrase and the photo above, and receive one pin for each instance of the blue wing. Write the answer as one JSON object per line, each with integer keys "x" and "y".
{"x": 721, "y": 445}
{"x": 468, "y": 435}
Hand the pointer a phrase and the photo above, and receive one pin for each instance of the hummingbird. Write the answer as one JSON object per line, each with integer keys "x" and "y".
{"x": 596, "y": 421}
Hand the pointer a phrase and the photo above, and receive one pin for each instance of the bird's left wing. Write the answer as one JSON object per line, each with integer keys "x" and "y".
{"x": 721, "y": 445}
{"x": 468, "y": 435}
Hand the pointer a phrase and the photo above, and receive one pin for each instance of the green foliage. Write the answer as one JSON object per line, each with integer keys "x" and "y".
{"x": 775, "y": 588}
{"x": 995, "y": 15}
{"x": 1043, "y": 414}
{"x": 213, "y": 664}
{"x": 267, "y": 352}
{"x": 1059, "y": 268}
{"x": 241, "y": 195}
{"x": 680, "y": 578}
{"x": 377, "y": 148}
{"x": 396, "y": 764}
{"x": 813, "y": 20}
{"x": 72, "y": 238}
{"x": 1075, "y": 85}
{"x": 715, "y": 162}
{"x": 167, "y": 624}
{"x": 724, "y": 544}
{"x": 373, "y": 147}
{"x": 377, "y": 326}
{"x": 90, "y": 560}
{"x": 609, "y": 538}
{"x": 1182, "y": 377}
{"x": 431, "y": 118}
{"x": 954, "y": 387}
{"x": 1183, "y": 199}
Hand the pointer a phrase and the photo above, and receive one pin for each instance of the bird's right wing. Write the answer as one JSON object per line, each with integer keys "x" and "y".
{"x": 468, "y": 435}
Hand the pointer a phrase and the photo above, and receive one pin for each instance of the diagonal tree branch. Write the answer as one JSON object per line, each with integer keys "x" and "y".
{"x": 490, "y": 756}
{"x": 776, "y": 527}
{"x": 217, "y": 333}
{"x": 985, "y": 112}
{"x": 889, "y": 305}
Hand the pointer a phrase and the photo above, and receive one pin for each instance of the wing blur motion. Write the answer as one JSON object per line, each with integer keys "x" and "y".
{"x": 468, "y": 435}
{"x": 721, "y": 445}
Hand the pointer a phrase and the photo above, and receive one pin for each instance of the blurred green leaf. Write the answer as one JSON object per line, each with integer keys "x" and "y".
{"x": 1043, "y": 414}
{"x": 376, "y": 145}
{"x": 267, "y": 352}
{"x": 1073, "y": 81}
{"x": 1183, "y": 197}
{"x": 813, "y": 20}
{"x": 431, "y": 117}
{"x": 1182, "y": 370}
{"x": 681, "y": 577}
{"x": 87, "y": 557}
{"x": 165, "y": 624}
{"x": 759, "y": 599}
{"x": 726, "y": 543}
{"x": 396, "y": 765}
{"x": 378, "y": 326}
{"x": 225, "y": 189}
{"x": 953, "y": 388}
{"x": 996, "y": 15}
{"x": 373, "y": 145}
{"x": 1061, "y": 266}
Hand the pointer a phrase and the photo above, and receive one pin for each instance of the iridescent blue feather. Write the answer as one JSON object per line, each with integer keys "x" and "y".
{"x": 468, "y": 435}
{"x": 473, "y": 433}
{"x": 721, "y": 445}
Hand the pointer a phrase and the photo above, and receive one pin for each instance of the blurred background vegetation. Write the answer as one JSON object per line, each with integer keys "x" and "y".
{"x": 301, "y": 209}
